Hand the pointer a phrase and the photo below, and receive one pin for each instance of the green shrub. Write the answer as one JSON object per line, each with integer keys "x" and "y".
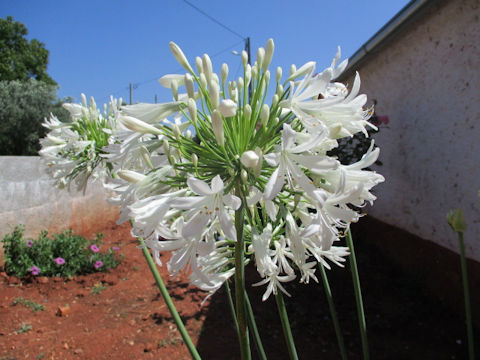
{"x": 63, "y": 255}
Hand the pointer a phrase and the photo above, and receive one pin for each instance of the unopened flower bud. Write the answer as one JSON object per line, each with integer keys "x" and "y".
{"x": 456, "y": 221}
{"x": 166, "y": 147}
{"x": 248, "y": 74}
{"x": 268, "y": 54}
{"x": 203, "y": 81}
{"x": 260, "y": 56}
{"x": 249, "y": 159}
{"x": 199, "y": 64}
{"x": 267, "y": 77}
{"x": 216, "y": 79}
{"x": 192, "y": 110}
{"x": 180, "y": 56}
{"x": 214, "y": 94}
{"x": 258, "y": 168}
{"x": 207, "y": 66}
{"x": 232, "y": 90}
{"x": 293, "y": 68}
{"x": 217, "y": 126}
{"x": 176, "y": 131}
{"x": 130, "y": 176}
{"x": 93, "y": 105}
{"x": 227, "y": 107}
{"x": 244, "y": 58}
{"x": 279, "y": 90}
{"x": 248, "y": 112}
{"x": 83, "y": 111}
{"x": 189, "y": 85}
{"x": 137, "y": 125}
{"x": 224, "y": 73}
{"x": 84, "y": 100}
{"x": 188, "y": 134}
{"x": 278, "y": 74}
{"x": 174, "y": 89}
{"x": 254, "y": 71}
{"x": 264, "y": 114}
{"x": 244, "y": 176}
{"x": 275, "y": 99}
{"x": 146, "y": 157}
{"x": 195, "y": 160}
{"x": 240, "y": 84}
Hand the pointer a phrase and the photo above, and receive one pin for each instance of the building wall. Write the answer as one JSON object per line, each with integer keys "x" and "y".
{"x": 28, "y": 196}
{"x": 426, "y": 78}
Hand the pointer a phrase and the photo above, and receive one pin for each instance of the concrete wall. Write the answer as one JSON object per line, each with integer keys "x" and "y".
{"x": 28, "y": 197}
{"x": 427, "y": 80}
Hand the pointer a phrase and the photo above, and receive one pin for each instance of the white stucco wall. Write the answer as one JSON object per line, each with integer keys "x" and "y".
{"x": 427, "y": 80}
{"x": 28, "y": 196}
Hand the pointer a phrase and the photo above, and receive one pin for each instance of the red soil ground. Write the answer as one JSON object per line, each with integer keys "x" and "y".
{"x": 126, "y": 320}
{"x": 120, "y": 315}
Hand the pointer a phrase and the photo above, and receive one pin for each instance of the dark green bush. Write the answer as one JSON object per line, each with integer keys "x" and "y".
{"x": 63, "y": 255}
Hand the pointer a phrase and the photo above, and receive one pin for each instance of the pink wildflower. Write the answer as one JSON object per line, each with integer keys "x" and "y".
{"x": 59, "y": 261}
{"x": 29, "y": 243}
{"x": 115, "y": 248}
{"x": 98, "y": 264}
{"x": 94, "y": 248}
{"x": 34, "y": 270}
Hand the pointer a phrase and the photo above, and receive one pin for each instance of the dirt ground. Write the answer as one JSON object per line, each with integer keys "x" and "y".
{"x": 120, "y": 315}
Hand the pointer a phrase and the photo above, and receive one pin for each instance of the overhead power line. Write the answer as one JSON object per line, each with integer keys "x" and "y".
{"x": 215, "y": 20}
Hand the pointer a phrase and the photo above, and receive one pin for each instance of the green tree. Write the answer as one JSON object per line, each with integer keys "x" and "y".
{"x": 21, "y": 59}
{"x": 25, "y": 104}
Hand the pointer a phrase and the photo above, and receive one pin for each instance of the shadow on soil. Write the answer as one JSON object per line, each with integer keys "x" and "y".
{"x": 404, "y": 321}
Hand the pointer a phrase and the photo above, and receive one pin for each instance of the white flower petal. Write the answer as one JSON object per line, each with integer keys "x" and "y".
{"x": 199, "y": 187}
{"x": 275, "y": 183}
{"x": 232, "y": 201}
{"x": 217, "y": 185}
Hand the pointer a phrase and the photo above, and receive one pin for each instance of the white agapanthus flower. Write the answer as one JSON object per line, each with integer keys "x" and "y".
{"x": 220, "y": 177}
{"x": 71, "y": 150}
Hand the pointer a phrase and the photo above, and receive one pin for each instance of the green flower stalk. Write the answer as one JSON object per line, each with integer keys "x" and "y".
{"x": 457, "y": 223}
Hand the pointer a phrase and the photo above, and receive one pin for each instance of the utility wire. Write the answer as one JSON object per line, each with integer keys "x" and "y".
{"x": 215, "y": 20}
{"x": 137, "y": 84}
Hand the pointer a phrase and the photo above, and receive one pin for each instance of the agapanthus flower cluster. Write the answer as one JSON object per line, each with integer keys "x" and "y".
{"x": 73, "y": 150}
{"x": 219, "y": 162}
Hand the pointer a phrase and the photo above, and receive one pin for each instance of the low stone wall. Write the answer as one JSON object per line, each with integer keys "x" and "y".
{"x": 28, "y": 196}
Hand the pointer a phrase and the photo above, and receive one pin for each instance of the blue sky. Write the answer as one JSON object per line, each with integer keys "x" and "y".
{"x": 99, "y": 47}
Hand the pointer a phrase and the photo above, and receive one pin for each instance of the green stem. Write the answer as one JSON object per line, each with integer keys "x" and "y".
{"x": 173, "y": 311}
{"x": 253, "y": 326}
{"x": 333, "y": 313}
{"x": 466, "y": 294}
{"x": 358, "y": 296}
{"x": 232, "y": 305}
{"x": 287, "y": 331}
{"x": 240, "y": 280}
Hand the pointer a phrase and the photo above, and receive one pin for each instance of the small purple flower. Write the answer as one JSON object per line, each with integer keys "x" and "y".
{"x": 115, "y": 248}
{"x": 34, "y": 270}
{"x": 59, "y": 261}
{"x": 29, "y": 243}
{"x": 98, "y": 264}
{"x": 94, "y": 248}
